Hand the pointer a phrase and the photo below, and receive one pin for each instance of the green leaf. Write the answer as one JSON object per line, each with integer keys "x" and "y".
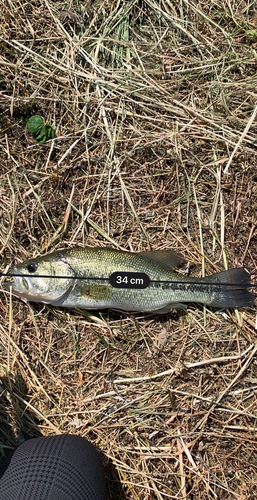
{"x": 42, "y": 135}
{"x": 49, "y": 132}
{"x": 41, "y": 131}
{"x": 35, "y": 123}
{"x": 252, "y": 35}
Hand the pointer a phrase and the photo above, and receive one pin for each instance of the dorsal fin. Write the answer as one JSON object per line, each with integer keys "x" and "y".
{"x": 165, "y": 258}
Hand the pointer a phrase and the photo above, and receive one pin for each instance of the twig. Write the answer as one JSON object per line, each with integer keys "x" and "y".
{"x": 250, "y": 121}
{"x": 203, "y": 421}
{"x": 187, "y": 366}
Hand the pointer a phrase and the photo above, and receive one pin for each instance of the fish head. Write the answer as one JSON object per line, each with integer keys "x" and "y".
{"x": 42, "y": 279}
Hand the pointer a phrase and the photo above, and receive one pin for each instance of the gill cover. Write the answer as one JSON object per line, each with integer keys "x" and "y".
{"x": 48, "y": 289}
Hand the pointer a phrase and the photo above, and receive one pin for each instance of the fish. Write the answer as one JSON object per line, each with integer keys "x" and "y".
{"x": 83, "y": 278}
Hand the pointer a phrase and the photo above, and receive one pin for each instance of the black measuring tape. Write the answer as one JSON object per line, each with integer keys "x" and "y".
{"x": 121, "y": 279}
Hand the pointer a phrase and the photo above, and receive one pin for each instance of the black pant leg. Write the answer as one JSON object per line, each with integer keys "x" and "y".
{"x": 64, "y": 467}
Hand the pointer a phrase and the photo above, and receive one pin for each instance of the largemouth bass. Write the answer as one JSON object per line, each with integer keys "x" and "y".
{"x": 40, "y": 281}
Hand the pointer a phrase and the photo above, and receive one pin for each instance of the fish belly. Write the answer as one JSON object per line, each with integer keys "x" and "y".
{"x": 151, "y": 299}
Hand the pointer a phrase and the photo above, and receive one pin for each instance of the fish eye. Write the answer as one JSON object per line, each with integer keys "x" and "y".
{"x": 32, "y": 267}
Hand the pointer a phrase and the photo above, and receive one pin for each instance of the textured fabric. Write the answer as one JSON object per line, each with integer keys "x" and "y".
{"x": 62, "y": 467}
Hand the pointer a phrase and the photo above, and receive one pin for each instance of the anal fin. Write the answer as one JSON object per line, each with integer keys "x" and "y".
{"x": 169, "y": 307}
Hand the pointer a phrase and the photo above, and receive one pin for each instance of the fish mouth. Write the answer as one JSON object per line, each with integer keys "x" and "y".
{"x": 18, "y": 284}
{"x": 7, "y": 283}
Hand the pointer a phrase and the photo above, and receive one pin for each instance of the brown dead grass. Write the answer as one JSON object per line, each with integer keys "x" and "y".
{"x": 151, "y": 101}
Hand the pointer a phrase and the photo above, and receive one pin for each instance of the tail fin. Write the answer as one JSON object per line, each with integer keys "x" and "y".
{"x": 236, "y": 293}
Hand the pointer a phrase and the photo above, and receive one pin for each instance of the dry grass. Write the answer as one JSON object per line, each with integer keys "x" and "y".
{"x": 153, "y": 103}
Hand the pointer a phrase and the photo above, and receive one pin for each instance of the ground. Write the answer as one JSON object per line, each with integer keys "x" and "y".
{"x": 153, "y": 104}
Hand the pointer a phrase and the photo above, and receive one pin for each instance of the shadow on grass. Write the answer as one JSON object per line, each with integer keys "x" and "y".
{"x": 116, "y": 491}
{"x": 18, "y": 424}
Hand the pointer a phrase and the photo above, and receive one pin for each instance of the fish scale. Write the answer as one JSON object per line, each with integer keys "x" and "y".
{"x": 228, "y": 288}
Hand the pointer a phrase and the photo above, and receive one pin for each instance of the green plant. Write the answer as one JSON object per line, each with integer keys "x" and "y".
{"x": 40, "y": 130}
{"x": 252, "y": 35}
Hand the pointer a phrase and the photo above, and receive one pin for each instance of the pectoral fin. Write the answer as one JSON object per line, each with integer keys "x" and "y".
{"x": 95, "y": 292}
